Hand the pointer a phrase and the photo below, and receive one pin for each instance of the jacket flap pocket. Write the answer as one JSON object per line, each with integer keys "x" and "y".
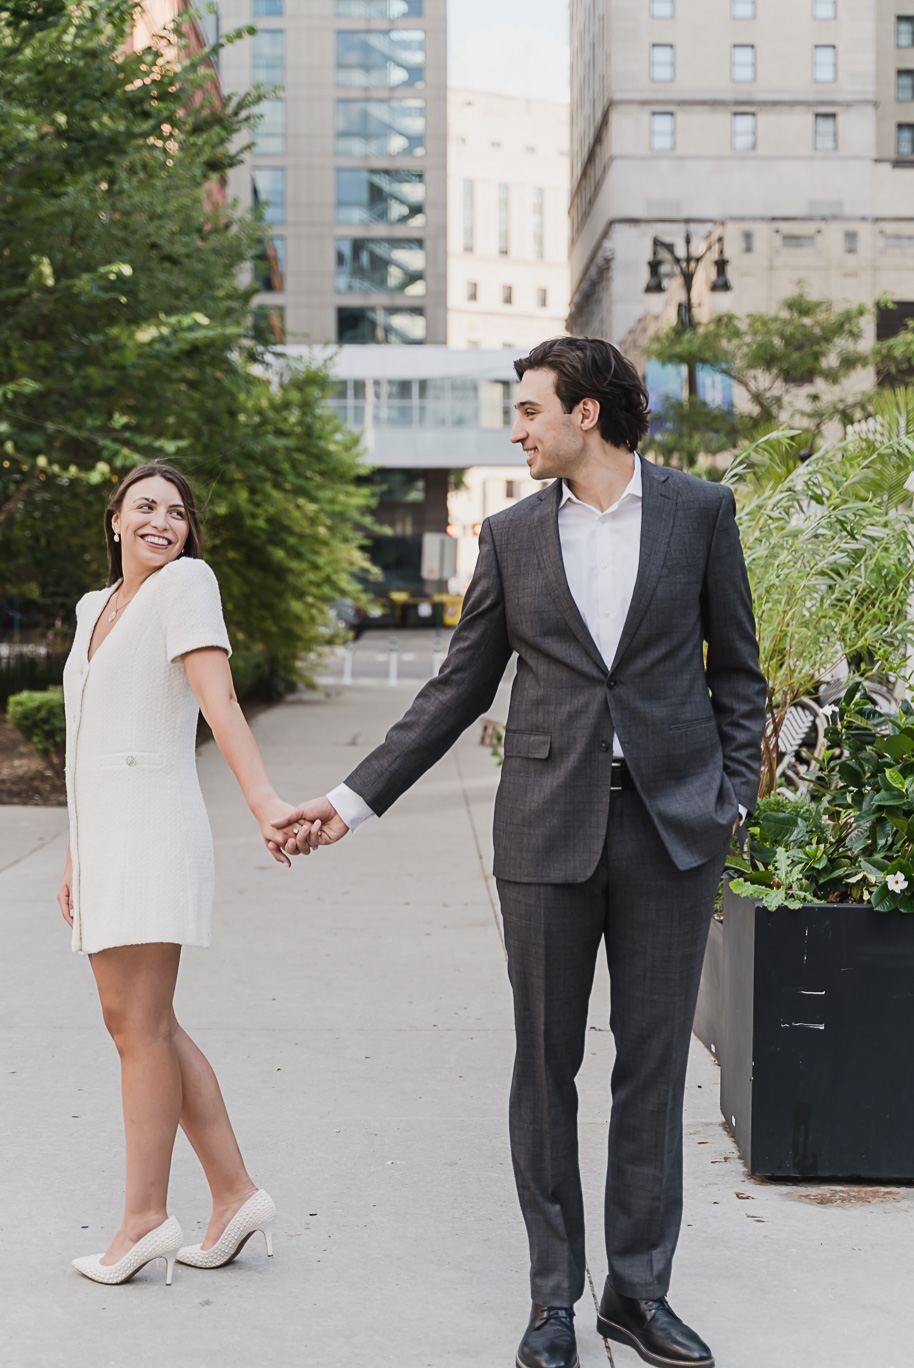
{"x": 527, "y": 745}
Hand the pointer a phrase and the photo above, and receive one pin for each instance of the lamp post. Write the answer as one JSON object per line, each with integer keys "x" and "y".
{"x": 686, "y": 268}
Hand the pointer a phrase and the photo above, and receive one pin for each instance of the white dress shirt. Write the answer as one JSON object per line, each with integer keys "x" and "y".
{"x": 601, "y": 550}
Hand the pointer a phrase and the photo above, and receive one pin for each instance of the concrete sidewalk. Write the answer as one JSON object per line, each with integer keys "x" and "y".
{"x": 358, "y": 1014}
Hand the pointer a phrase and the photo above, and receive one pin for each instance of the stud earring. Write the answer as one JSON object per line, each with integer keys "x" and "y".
{"x": 117, "y": 536}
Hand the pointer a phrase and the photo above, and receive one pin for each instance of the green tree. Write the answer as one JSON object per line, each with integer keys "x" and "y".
{"x": 800, "y": 367}
{"x": 126, "y": 331}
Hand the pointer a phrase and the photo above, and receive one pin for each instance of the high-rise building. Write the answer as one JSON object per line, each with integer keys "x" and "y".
{"x": 348, "y": 163}
{"x": 508, "y": 160}
{"x": 789, "y": 122}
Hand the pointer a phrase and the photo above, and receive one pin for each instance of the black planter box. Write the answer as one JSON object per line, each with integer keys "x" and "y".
{"x": 811, "y": 1016}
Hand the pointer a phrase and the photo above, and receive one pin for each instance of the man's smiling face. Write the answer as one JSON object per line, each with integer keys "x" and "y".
{"x": 553, "y": 440}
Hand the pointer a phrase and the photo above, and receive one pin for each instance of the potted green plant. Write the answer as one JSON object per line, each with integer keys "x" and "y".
{"x": 807, "y": 996}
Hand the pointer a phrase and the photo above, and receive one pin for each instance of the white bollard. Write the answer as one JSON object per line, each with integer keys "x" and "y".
{"x": 438, "y": 654}
{"x": 347, "y": 663}
{"x": 393, "y": 667}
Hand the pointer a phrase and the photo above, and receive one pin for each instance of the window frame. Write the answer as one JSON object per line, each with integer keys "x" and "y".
{"x": 670, "y": 11}
{"x": 656, "y": 146}
{"x": 821, "y": 120}
{"x": 825, "y": 17}
{"x": 908, "y": 20}
{"x": 742, "y": 80}
{"x": 345, "y": 76}
{"x": 657, "y": 48}
{"x": 741, "y": 17}
{"x": 909, "y": 73}
{"x": 909, "y": 127}
{"x": 752, "y": 121}
{"x": 372, "y": 137}
{"x": 825, "y": 47}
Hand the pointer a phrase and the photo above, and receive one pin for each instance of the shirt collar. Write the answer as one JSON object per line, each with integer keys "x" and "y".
{"x": 632, "y": 490}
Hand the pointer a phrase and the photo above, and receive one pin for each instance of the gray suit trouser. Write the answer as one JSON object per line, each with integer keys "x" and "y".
{"x": 653, "y": 919}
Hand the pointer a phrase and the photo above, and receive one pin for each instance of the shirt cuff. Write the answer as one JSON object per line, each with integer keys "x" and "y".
{"x": 743, "y": 812}
{"x": 354, "y": 811}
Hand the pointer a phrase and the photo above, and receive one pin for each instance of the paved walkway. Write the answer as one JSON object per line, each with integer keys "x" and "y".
{"x": 358, "y": 1014}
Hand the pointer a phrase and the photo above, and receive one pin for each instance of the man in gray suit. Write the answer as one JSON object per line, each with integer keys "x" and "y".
{"x": 629, "y": 754}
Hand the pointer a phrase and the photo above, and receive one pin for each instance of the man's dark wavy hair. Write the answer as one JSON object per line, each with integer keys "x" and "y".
{"x": 589, "y": 368}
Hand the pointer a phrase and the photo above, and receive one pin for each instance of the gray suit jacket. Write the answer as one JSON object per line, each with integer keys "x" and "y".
{"x": 691, "y": 731}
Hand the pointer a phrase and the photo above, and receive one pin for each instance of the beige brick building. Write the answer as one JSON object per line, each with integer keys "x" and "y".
{"x": 508, "y": 166}
{"x": 790, "y": 122}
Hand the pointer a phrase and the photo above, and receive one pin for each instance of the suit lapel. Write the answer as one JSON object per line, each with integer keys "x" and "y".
{"x": 549, "y": 552}
{"x": 658, "y": 512}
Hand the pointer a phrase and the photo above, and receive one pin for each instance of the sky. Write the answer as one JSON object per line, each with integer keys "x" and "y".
{"x": 511, "y": 47}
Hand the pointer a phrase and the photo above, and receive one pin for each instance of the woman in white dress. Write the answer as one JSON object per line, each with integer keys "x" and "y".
{"x": 150, "y": 650}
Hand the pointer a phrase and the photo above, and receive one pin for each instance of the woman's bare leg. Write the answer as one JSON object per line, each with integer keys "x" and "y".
{"x": 136, "y": 985}
{"x": 205, "y": 1122}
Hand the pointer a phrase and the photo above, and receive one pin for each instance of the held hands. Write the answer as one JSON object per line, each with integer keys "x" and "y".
{"x": 318, "y": 824}
{"x": 273, "y": 822}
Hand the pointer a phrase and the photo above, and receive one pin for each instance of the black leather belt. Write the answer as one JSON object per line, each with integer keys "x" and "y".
{"x": 621, "y": 776}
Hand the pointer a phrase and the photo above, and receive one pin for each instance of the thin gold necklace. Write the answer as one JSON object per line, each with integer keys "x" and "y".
{"x": 117, "y": 607}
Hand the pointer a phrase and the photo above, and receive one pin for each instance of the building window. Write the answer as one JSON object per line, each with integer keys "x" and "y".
{"x": 904, "y": 140}
{"x": 269, "y": 186}
{"x": 824, "y": 62}
{"x": 471, "y": 291}
{"x": 663, "y": 132}
{"x": 851, "y": 242}
{"x": 380, "y": 128}
{"x": 539, "y": 229}
{"x": 378, "y": 9}
{"x": 270, "y": 324}
{"x": 661, "y": 9}
{"x": 268, "y": 64}
{"x": 662, "y": 64}
{"x": 826, "y": 132}
{"x": 392, "y": 325}
{"x": 378, "y": 58}
{"x": 742, "y": 9}
{"x": 469, "y": 216}
{"x": 904, "y": 86}
{"x": 510, "y": 489}
{"x": 504, "y": 219}
{"x": 803, "y": 241}
{"x": 507, "y": 294}
{"x": 542, "y": 299}
{"x": 271, "y": 278}
{"x": 824, "y": 9}
{"x": 366, "y": 195}
{"x": 743, "y": 133}
{"x": 743, "y": 62}
{"x": 270, "y": 133}
{"x": 267, "y": 8}
{"x": 747, "y": 241}
{"x": 380, "y": 266}
{"x": 904, "y": 31}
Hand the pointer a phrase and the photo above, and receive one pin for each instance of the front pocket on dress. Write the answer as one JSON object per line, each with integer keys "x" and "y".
{"x": 526, "y": 745}
{"x": 132, "y": 760}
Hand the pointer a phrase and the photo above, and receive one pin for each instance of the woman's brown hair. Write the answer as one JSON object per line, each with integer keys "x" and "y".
{"x": 193, "y": 546}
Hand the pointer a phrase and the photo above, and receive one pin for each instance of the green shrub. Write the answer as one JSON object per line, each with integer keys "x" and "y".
{"x": 252, "y": 676}
{"x": 18, "y": 672}
{"x": 40, "y": 718}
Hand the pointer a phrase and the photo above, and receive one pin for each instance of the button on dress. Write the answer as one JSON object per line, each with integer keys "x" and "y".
{"x": 140, "y": 839}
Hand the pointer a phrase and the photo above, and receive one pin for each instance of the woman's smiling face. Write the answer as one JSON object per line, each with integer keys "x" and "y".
{"x": 152, "y": 522}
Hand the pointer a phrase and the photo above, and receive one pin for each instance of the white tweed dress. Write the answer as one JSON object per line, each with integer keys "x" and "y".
{"x": 140, "y": 838}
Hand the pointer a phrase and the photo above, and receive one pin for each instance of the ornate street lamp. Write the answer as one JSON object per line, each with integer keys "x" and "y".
{"x": 686, "y": 268}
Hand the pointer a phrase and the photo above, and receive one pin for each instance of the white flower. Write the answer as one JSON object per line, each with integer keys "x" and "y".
{"x": 896, "y": 882}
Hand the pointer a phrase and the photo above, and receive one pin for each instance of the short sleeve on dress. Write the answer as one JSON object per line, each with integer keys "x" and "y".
{"x": 191, "y": 609}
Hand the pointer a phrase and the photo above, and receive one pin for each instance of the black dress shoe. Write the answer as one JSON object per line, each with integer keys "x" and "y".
{"x": 549, "y": 1339}
{"x": 653, "y": 1330}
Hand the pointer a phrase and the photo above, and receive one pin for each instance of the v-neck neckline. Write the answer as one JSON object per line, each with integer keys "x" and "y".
{"x": 114, "y": 589}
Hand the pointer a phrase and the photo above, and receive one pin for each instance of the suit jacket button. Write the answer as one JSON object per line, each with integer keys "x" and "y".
{"x": 604, "y": 745}
{"x": 611, "y": 683}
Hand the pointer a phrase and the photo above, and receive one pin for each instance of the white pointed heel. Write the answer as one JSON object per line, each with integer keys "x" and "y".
{"x": 258, "y": 1213}
{"x": 161, "y": 1243}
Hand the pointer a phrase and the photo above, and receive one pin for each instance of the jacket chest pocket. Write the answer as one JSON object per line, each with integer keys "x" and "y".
{"x": 520, "y": 745}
